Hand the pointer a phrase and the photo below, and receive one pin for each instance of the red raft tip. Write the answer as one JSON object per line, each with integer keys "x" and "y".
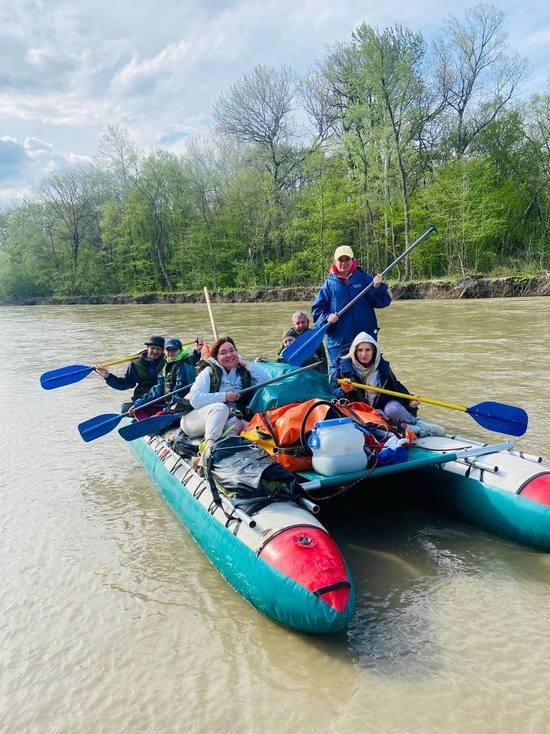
{"x": 538, "y": 489}
{"x": 309, "y": 556}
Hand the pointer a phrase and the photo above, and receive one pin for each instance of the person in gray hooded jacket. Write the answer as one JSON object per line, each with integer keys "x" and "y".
{"x": 364, "y": 363}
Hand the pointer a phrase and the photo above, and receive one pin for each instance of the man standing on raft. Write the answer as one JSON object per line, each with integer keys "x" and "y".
{"x": 346, "y": 279}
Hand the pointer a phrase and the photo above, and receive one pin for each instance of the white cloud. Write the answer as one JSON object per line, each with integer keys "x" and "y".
{"x": 24, "y": 164}
{"x": 35, "y": 146}
{"x": 539, "y": 40}
{"x": 68, "y": 71}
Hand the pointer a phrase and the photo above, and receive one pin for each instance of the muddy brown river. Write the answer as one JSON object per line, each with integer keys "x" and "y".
{"x": 112, "y": 620}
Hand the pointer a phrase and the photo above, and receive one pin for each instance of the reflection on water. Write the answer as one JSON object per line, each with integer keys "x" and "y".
{"x": 113, "y": 620}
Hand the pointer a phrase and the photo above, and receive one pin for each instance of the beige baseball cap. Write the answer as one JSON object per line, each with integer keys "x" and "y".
{"x": 343, "y": 251}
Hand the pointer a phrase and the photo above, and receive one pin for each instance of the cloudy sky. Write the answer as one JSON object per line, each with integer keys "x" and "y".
{"x": 69, "y": 70}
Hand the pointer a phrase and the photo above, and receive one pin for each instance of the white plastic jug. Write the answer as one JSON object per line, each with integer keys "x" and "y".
{"x": 337, "y": 447}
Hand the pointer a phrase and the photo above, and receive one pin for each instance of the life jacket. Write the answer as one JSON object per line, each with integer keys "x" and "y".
{"x": 146, "y": 378}
{"x": 170, "y": 374}
{"x": 283, "y": 432}
{"x": 216, "y": 381}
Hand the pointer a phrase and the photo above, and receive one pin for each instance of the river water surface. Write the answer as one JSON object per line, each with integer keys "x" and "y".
{"x": 112, "y": 620}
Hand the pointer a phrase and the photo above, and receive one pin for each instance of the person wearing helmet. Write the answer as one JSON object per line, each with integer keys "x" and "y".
{"x": 345, "y": 280}
{"x": 178, "y": 370}
{"x": 142, "y": 373}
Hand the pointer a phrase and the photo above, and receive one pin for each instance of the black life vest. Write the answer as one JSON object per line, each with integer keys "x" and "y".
{"x": 246, "y": 381}
{"x": 146, "y": 378}
{"x": 170, "y": 373}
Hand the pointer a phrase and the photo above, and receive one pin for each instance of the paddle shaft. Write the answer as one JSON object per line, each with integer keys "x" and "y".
{"x": 404, "y": 254}
{"x": 241, "y": 392}
{"x": 429, "y": 401}
{"x": 65, "y": 373}
{"x": 279, "y": 377}
{"x": 129, "y": 358}
{"x": 62, "y": 373}
{"x": 133, "y": 356}
{"x": 213, "y": 323}
{"x": 159, "y": 399}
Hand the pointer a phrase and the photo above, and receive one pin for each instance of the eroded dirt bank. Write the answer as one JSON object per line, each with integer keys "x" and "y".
{"x": 472, "y": 287}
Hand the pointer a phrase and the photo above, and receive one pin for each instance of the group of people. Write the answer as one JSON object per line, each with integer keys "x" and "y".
{"x": 203, "y": 385}
{"x": 209, "y": 386}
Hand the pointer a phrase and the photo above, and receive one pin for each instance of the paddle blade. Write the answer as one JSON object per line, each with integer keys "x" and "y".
{"x": 500, "y": 417}
{"x": 304, "y": 346}
{"x": 64, "y": 376}
{"x": 99, "y": 426}
{"x": 150, "y": 426}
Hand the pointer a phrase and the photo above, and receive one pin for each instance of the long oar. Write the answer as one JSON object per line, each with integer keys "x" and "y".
{"x": 308, "y": 342}
{"x": 493, "y": 416}
{"x": 157, "y": 423}
{"x": 211, "y": 314}
{"x": 102, "y": 424}
{"x": 76, "y": 372}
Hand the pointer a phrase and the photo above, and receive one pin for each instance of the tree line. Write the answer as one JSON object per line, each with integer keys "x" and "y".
{"x": 386, "y": 134}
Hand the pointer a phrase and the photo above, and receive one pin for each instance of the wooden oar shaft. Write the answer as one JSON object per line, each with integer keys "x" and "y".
{"x": 207, "y": 297}
{"x": 120, "y": 360}
{"x": 393, "y": 393}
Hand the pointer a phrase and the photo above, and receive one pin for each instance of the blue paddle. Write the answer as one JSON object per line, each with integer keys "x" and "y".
{"x": 149, "y": 426}
{"x": 493, "y": 416}
{"x": 500, "y": 417}
{"x": 76, "y": 372}
{"x": 308, "y": 342}
{"x": 102, "y": 424}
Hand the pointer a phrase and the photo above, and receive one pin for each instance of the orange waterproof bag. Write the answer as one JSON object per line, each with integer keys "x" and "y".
{"x": 283, "y": 432}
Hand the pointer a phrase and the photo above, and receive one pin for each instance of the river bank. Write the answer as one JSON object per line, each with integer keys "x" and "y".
{"x": 470, "y": 287}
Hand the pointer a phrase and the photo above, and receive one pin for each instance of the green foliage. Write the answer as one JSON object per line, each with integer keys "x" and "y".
{"x": 469, "y": 206}
{"x": 268, "y": 206}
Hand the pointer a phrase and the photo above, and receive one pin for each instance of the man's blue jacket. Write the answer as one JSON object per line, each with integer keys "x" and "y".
{"x": 335, "y": 293}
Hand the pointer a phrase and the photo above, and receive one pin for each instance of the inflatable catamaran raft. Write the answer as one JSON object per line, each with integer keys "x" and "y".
{"x": 282, "y": 559}
{"x": 270, "y": 545}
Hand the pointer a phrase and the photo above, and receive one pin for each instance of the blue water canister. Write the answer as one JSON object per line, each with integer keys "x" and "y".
{"x": 337, "y": 447}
